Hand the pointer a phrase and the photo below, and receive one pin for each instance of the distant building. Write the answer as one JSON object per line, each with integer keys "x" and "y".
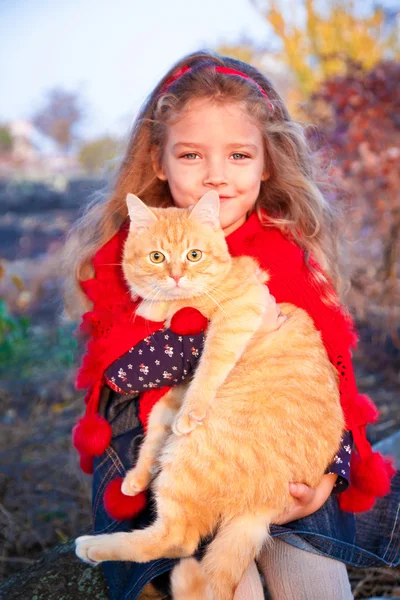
{"x": 28, "y": 143}
{"x": 34, "y": 155}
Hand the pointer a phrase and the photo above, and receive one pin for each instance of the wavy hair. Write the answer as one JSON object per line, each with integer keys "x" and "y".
{"x": 292, "y": 196}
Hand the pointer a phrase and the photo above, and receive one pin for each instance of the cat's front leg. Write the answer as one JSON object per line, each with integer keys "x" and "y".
{"x": 229, "y": 332}
{"x": 158, "y": 429}
{"x": 190, "y": 416}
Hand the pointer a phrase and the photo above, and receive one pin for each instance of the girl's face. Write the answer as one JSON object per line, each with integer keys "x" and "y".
{"x": 215, "y": 147}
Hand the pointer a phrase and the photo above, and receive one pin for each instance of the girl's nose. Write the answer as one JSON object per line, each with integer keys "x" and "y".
{"x": 215, "y": 175}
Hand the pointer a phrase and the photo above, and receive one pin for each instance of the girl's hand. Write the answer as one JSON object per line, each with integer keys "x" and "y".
{"x": 273, "y": 318}
{"x": 307, "y": 499}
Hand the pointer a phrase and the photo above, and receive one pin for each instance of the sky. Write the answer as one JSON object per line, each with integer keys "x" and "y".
{"x": 111, "y": 51}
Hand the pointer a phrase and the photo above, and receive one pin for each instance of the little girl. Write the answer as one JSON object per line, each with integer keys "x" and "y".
{"x": 215, "y": 123}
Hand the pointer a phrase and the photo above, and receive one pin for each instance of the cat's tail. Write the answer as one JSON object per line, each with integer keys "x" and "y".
{"x": 188, "y": 581}
{"x": 235, "y": 545}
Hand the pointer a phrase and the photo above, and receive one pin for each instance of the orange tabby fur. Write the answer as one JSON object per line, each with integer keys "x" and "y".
{"x": 262, "y": 409}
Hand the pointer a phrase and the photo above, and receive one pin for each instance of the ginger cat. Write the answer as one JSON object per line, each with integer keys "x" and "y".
{"x": 262, "y": 409}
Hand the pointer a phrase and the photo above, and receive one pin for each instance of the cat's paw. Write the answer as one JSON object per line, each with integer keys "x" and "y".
{"x": 94, "y": 549}
{"x": 83, "y": 548}
{"x": 135, "y": 482}
{"x": 187, "y": 421}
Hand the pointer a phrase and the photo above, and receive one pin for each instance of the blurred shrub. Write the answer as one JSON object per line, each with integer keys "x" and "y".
{"x": 34, "y": 353}
{"x": 6, "y": 141}
{"x": 28, "y": 350}
{"x": 359, "y": 115}
{"x": 58, "y": 117}
{"x": 13, "y": 333}
{"x": 94, "y": 155}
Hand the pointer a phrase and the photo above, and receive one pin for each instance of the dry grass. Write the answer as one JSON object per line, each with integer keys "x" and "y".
{"x": 44, "y": 497}
{"x": 368, "y": 583}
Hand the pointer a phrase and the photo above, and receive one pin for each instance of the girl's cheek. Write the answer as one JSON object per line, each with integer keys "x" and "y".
{"x": 188, "y": 176}
{"x": 189, "y": 182}
{"x": 184, "y": 186}
{"x": 181, "y": 196}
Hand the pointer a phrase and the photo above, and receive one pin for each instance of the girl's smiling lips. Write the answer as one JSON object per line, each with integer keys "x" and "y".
{"x": 223, "y": 198}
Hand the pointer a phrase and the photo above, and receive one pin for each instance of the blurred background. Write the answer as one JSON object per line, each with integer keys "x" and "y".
{"x": 73, "y": 77}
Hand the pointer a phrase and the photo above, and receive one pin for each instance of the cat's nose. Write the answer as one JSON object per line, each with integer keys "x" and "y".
{"x": 176, "y": 278}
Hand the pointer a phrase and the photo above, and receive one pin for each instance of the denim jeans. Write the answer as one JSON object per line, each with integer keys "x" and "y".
{"x": 365, "y": 540}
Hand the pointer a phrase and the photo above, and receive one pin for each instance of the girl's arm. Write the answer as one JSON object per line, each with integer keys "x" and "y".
{"x": 162, "y": 359}
{"x": 291, "y": 281}
{"x": 341, "y": 464}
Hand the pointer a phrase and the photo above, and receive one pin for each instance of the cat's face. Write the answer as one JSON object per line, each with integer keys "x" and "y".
{"x": 173, "y": 253}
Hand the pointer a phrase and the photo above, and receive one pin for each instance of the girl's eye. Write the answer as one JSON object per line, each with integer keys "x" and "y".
{"x": 194, "y": 255}
{"x": 239, "y": 155}
{"x": 190, "y": 155}
{"x": 157, "y": 257}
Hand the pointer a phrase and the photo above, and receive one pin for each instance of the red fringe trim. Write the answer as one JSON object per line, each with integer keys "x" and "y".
{"x": 119, "y": 506}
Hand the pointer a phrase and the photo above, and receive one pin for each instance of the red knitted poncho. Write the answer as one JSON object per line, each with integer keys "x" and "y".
{"x": 112, "y": 329}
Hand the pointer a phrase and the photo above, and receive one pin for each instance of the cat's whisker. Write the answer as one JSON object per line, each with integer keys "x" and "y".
{"x": 215, "y": 301}
{"x": 217, "y": 292}
{"x": 222, "y": 297}
{"x": 156, "y": 290}
{"x": 153, "y": 300}
{"x": 206, "y": 290}
{"x": 212, "y": 289}
{"x": 203, "y": 288}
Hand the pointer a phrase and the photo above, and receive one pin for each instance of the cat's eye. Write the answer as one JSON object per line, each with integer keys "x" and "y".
{"x": 194, "y": 255}
{"x": 157, "y": 257}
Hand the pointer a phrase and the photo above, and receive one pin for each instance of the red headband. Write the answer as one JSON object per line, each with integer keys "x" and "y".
{"x": 218, "y": 69}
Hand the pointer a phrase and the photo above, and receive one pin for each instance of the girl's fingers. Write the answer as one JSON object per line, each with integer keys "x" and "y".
{"x": 273, "y": 318}
{"x": 301, "y": 492}
{"x": 281, "y": 319}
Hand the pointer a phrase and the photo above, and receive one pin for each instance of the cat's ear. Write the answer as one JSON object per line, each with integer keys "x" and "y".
{"x": 140, "y": 215}
{"x": 207, "y": 209}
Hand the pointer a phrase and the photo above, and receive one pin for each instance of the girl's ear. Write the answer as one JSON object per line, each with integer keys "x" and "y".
{"x": 140, "y": 215}
{"x": 265, "y": 175}
{"x": 157, "y": 167}
{"x": 207, "y": 209}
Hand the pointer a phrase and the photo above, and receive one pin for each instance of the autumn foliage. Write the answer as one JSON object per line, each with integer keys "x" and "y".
{"x": 359, "y": 116}
{"x": 317, "y": 44}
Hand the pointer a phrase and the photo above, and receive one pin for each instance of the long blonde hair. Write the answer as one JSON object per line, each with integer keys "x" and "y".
{"x": 292, "y": 195}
